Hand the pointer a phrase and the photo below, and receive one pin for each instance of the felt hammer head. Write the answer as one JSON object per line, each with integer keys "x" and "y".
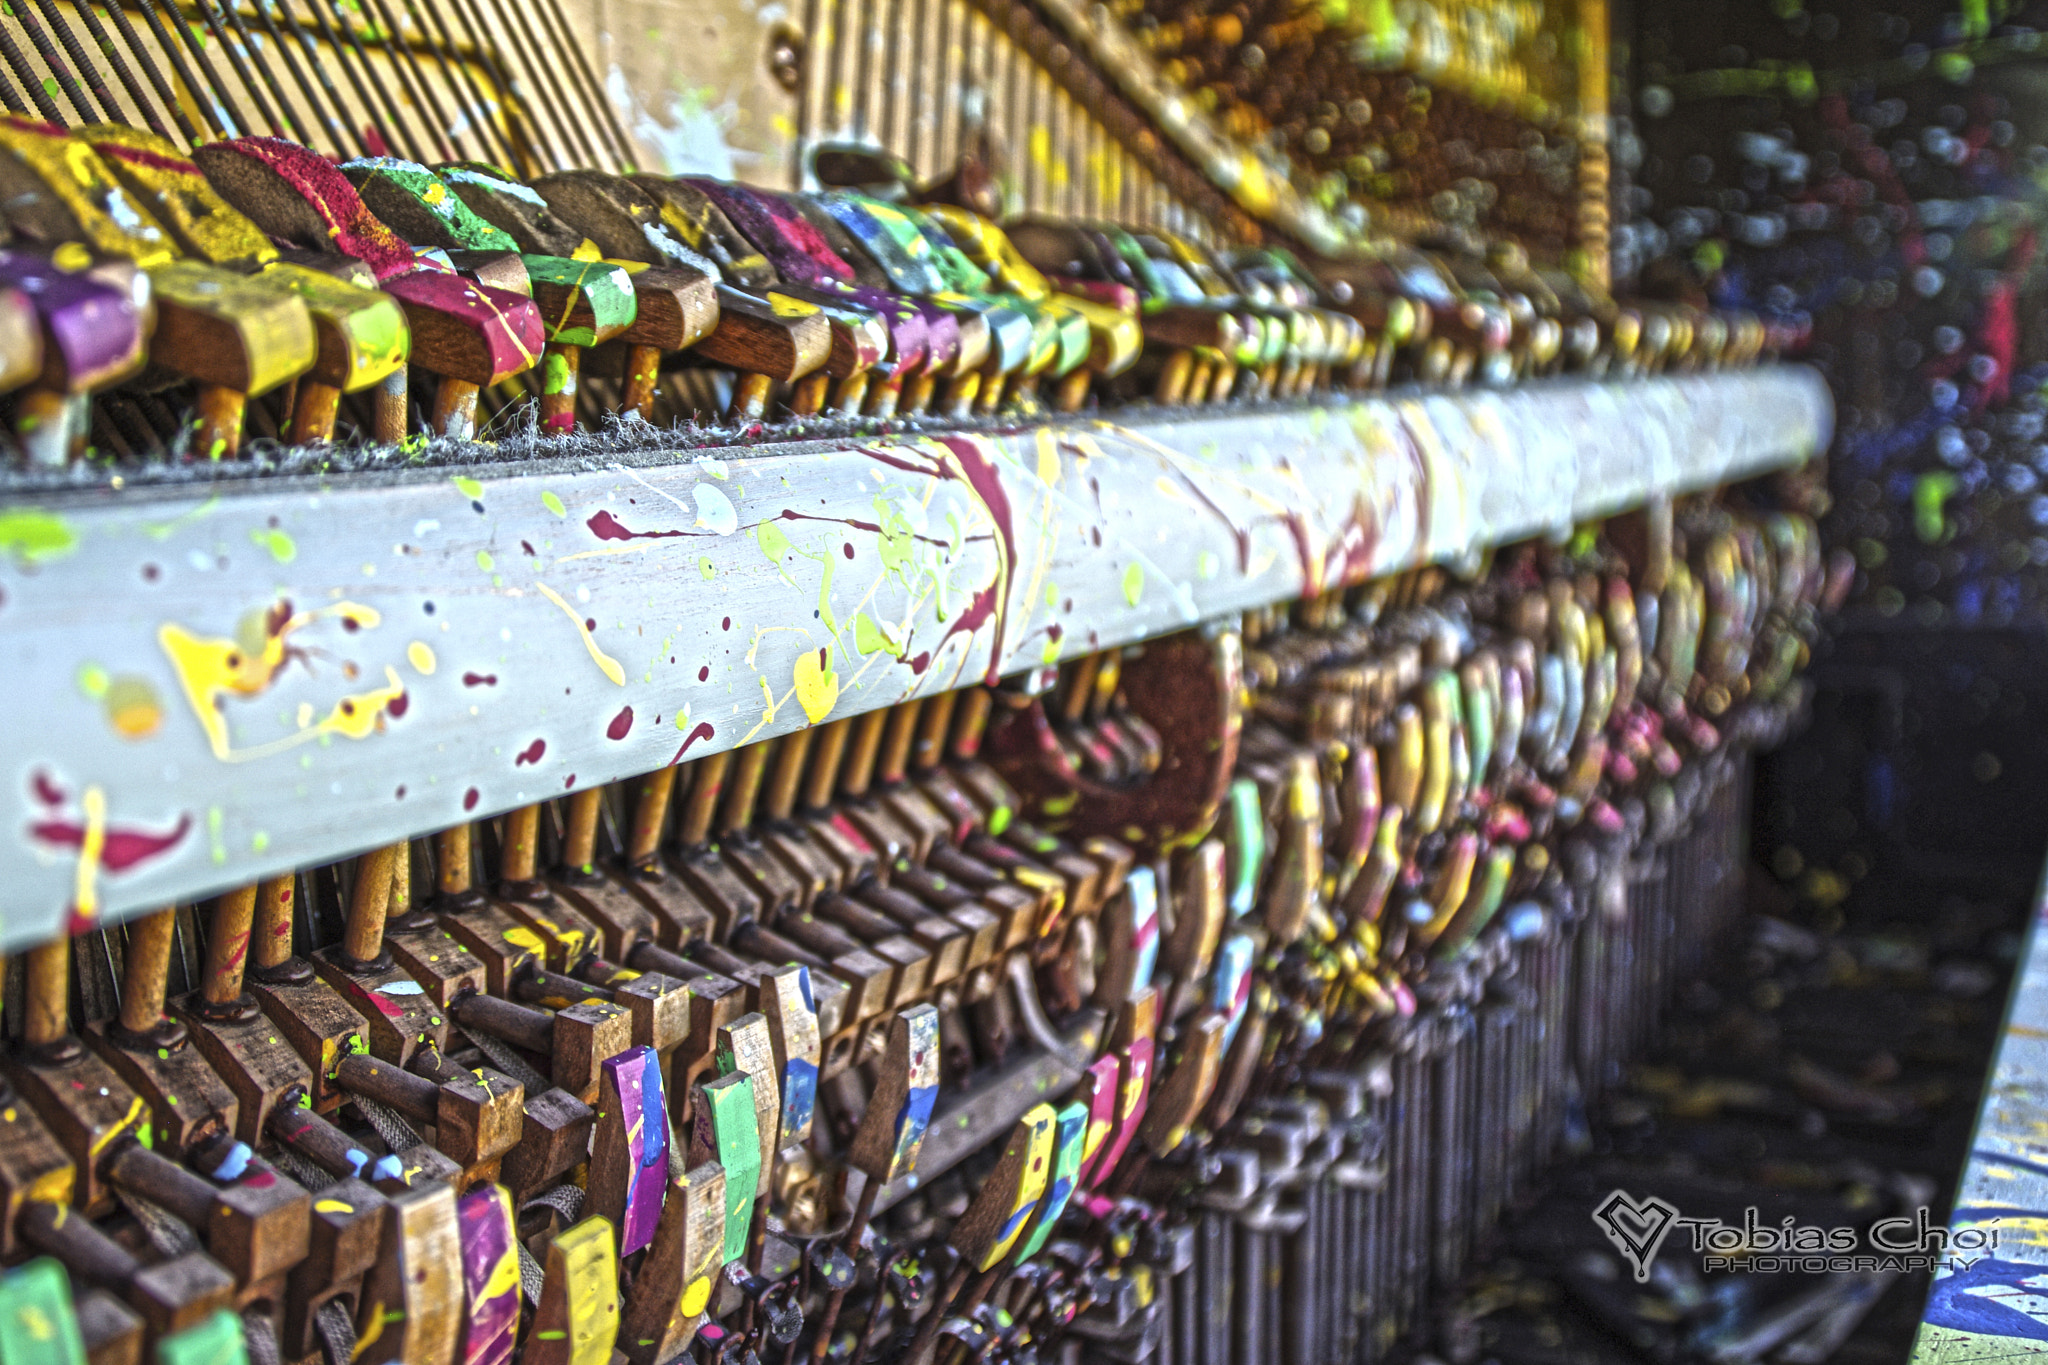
{"x": 495, "y": 196}
{"x": 158, "y": 174}
{"x": 301, "y": 197}
{"x": 421, "y": 207}
{"x": 56, "y": 190}
{"x": 620, "y": 217}
{"x": 703, "y": 226}
{"x": 93, "y": 331}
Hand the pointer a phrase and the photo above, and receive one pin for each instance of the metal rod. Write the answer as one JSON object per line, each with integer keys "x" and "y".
{"x": 914, "y": 117}
{"x": 399, "y": 133}
{"x": 312, "y": 51}
{"x": 516, "y": 136}
{"x": 479, "y": 106}
{"x": 579, "y": 68}
{"x": 441, "y": 62}
{"x": 19, "y": 62}
{"x": 61, "y": 73}
{"x": 99, "y": 37}
{"x": 558, "y": 124}
{"x": 433, "y": 100}
{"x": 241, "y": 69}
{"x": 291, "y": 64}
{"x": 87, "y": 70}
{"x": 894, "y": 115}
{"x": 211, "y": 96}
{"x": 421, "y": 95}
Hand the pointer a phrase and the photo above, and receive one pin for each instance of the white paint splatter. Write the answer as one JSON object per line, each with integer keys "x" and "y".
{"x": 715, "y": 512}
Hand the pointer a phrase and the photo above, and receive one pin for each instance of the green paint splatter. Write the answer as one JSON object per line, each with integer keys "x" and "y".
{"x": 1060, "y": 805}
{"x": 774, "y": 544}
{"x": 1134, "y": 584}
{"x": 259, "y": 841}
{"x": 1050, "y": 655}
{"x": 555, "y": 378}
{"x": 1206, "y": 564}
{"x": 706, "y": 567}
{"x": 1052, "y": 595}
{"x": 484, "y": 560}
{"x": 553, "y": 503}
{"x": 469, "y": 488}
{"x": 868, "y": 637}
{"x": 215, "y": 818}
{"x": 34, "y": 536}
{"x": 999, "y": 820}
{"x": 282, "y": 547}
{"x": 92, "y": 680}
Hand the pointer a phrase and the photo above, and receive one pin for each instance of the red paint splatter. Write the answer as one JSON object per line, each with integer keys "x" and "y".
{"x": 726, "y": 624}
{"x": 349, "y": 624}
{"x": 531, "y": 753}
{"x": 568, "y": 782}
{"x": 469, "y": 799}
{"x": 847, "y": 549}
{"x": 398, "y": 795}
{"x": 622, "y": 724}
{"x": 151, "y": 573}
{"x": 590, "y": 623}
{"x": 124, "y": 848}
{"x": 48, "y": 792}
{"x": 528, "y": 548}
{"x": 605, "y": 526}
{"x": 479, "y": 680}
{"x": 398, "y": 706}
{"x": 703, "y": 730}
{"x": 704, "y": 673}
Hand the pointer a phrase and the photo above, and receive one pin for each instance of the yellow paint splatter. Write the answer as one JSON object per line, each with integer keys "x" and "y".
{"x": 85, "y": 891}
{"x": 603, "y": 660}
{"x": 211, "y": 668}
{"x": 1048, "y": 458}
{"x": 421, "y": 656}
{"x": 817, "y": 684}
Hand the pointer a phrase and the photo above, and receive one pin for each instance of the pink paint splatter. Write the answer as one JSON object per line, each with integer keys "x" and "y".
{"x": 469, "y": 799}
{"x": 124, "y": 847}
{"x": 531, "y": 753}
{"x": 479, "y": 680}
{"x": 622, "y": 724}
{"x": 605, "y": 526}
{"x": 703, "y": 730}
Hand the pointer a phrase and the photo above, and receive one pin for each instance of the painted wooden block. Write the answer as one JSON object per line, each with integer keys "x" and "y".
{"x": 420, "y": 206}
{"x": 217, "y": 1340}
{"x": 222, "y": 328}
{"x": 466, "y": 331}
{"x": 577, "y": 1319}
{"x": 1231, "y": 985}
{"x": 723, "y": 1130}
{"x": 1133, "y": 1040}
{"x": 93, "y": 333}
{"x": 1098, "y": 1092}
{"x": 899, "y": 1111}
{"x": 301, "y": 197}
{"x": 490, "y": 1275}
{"x": 1008, "y": 1195}
{"x": 38, "y": 1325}
{"x": 629, "y": 1149}
{"x": 671, "y": 1295}
{"x": 792, "y": 1017}
{"x": 744, "y": 1049}
{"x": 1070, "y": 1141}
{"x": 410, "y": 1312}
